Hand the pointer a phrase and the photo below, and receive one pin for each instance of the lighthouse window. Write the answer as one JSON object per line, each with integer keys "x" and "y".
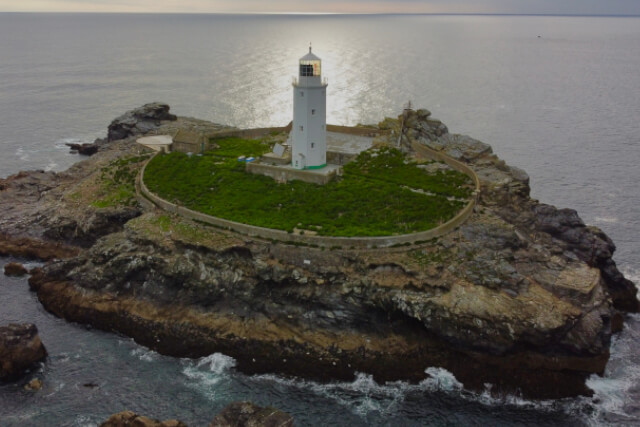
{"x": 313, "y": 144}
{"x": 301, "y": 128}
{"x": 301, "y": 93}
{"x": 306, "y": 70}
{"x": 313, "y": 112}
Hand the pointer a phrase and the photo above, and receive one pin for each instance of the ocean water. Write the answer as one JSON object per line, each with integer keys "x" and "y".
{"x": 556, "y": 96}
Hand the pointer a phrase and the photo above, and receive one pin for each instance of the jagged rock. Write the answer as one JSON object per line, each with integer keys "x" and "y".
{"x": 460, "y": 147}
{"x": 15, "y": 269}
{"x": 131, "y": 419}
{"x": 423, "y": 113}
{"x": 85, "y": 231}
{"x": 247, "y": 414}
{"x": 139, "y": 121}
{"x": 27, "y": 247}
{"x": 20, "y": 350}
{"x": 419, "y": 125}
{"x": 84, "y": 149}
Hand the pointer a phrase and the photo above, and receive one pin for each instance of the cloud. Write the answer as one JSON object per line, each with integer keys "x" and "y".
{"x": 623, "y": 7}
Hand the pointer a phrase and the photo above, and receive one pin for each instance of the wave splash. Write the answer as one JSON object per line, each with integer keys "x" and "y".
{"x": 209, "y": 371}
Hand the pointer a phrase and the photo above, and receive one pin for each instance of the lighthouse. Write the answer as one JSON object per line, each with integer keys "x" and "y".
{"x": 309, "y": 131}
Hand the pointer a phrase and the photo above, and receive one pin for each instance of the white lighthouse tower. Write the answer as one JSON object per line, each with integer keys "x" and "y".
{"x": 309, "y": 132}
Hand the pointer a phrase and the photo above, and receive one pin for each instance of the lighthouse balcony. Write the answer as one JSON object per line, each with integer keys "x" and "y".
{"x": 310, "y": 81}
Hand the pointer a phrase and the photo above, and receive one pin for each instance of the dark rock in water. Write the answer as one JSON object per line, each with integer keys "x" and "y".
{"x": 237, "y": 414}
{"x": 20, "y": 349}
{"x": 247, "y": 414}
{"x": 84, "y": 149}
{"x": 139, "y": 121}
{"x": 131, "y": 419}
{"x": 15, "y": 269}
{"x": 33, "y": 385}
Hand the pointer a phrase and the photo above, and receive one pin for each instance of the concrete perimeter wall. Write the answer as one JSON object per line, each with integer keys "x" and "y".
{"x": 195, "y": 147}
{"x": 350, "y": 130}
{"x": 205, "y": 138}
{"x": 327, "y": 241}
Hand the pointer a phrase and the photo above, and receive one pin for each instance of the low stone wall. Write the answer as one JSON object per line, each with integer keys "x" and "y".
{"x": 350, "y": 130}
{"x": 281, "y": 174}
{"x": 196, "y": 147}
{"x": 328, "y": 241}
{"x": 432, "y": 154}
{"x": 204, "y": 142}
{"x": 248, "y": 133}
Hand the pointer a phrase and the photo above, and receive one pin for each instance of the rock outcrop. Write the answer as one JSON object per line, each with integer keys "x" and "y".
{"x": 15, "y": 269}
{"x": 20, "y": 350}
{"x": 237, "y": 414}
{"x": 247, "y": 414}
{"x": 31, "y": 248}
{"x": 84, "y": 149}
{"x": 131, "y": 419}
{"x": 523, "y": 296}
{"x": 139, "y": 121}
{"x": 33, "y": 385}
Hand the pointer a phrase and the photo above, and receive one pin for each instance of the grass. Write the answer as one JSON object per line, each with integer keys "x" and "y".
{"x": 162, "y": 226}
{"x": 371, "y": 199}
{"x": 391, "y": 165}
{"x": 235, "y": 147}
{"x": 117, "y": 183}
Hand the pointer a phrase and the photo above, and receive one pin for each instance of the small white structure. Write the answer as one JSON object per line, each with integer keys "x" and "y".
{"x": 157, "y": 142}
{"x": 309, "y": 131}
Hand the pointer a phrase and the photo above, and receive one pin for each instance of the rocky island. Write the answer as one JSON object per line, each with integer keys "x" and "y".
{"x": 520, "y": 297}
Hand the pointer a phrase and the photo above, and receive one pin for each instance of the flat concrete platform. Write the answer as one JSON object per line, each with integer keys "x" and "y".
{"x": 156, "y": 142}
{"x": 349, "y": 144}
{"x": 286, "y": 173}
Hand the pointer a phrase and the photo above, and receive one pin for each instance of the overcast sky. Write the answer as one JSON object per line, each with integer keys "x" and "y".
{"x": 587, "y": 7}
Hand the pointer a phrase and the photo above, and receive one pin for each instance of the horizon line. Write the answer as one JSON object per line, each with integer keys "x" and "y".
{"x": 325, "y": 13}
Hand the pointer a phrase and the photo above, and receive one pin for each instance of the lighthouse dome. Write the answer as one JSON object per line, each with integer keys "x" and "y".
{"x": 310, "y": 57}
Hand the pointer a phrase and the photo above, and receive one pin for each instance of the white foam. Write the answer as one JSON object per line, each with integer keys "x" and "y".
{"x": 22, "y": 155}
{"x": 218, "y": 363}
{"x": 441, "y": 379}
{"x": 632, "y": 274}
{"x": 605, "y": 219}
{"x": 364, "y": 395}
{"x": 209, "y": 370}
{"x": 84, "y": 421}
{"x": 50, "y": 166}
{"x": 144, "y": 354}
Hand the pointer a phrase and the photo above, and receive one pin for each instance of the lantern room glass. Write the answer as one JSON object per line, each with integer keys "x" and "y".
{"x": 309, "y": 68}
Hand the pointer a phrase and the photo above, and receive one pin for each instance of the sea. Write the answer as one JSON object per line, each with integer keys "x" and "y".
{"x": 556, "y": 96}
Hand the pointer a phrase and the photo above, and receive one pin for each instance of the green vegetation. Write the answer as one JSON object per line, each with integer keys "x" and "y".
{"x": 118, "y": 183}
{"x": 165, "y": 226}
{"x": 235, "y": 147}
{"x": 373, "y": 198}
{"x": 390, "y": 165}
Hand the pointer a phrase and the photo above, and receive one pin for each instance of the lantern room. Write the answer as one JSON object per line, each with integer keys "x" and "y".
{"x": 310, "y": 65}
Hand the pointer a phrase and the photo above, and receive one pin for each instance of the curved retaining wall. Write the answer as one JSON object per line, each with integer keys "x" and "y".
{"x": 328, "y": 241}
